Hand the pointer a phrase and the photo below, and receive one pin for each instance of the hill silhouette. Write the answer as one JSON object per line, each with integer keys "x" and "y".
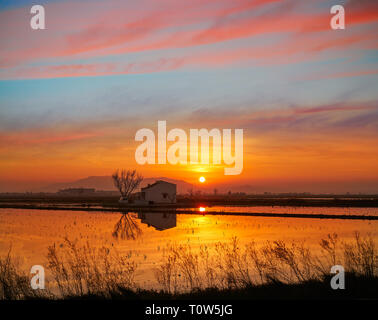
{"x": 105, "y": 183}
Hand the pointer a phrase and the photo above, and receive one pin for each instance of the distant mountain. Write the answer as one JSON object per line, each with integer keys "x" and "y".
{"x": 106, "y": 183}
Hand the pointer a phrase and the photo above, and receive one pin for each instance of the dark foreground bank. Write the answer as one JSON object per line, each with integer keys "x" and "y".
{"x": 356, "y": 288}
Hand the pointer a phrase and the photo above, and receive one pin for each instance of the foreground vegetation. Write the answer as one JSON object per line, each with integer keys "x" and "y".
{"x": 275, "y": 270}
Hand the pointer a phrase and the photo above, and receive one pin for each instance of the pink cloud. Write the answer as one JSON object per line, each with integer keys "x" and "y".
{"x": 42, "y": 137}
{"x": 335, "y": 107}
{"x": 146, "y": 26}
{"x": 99, "y": 69}
{"x": 338, "y": 75}
{"x": 245, "y": 118}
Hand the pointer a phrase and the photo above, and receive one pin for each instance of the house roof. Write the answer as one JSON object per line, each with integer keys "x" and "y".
{"x": 155, "y": 183}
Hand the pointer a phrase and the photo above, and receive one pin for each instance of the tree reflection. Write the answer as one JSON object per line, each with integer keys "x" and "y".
{"x": 127, "y": 227}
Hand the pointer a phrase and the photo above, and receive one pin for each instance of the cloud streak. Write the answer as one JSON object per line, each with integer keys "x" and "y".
{"x": 173, "y": 35}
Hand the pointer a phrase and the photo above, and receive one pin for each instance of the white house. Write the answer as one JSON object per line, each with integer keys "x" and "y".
{"x": 159, "y": 192}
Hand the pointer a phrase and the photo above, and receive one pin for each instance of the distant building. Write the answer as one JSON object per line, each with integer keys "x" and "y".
{"x": 77, "y": 191}
{"x": 159, "y": 192}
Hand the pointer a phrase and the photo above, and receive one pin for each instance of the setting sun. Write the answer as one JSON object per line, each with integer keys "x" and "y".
{"x": 202, "y": 179}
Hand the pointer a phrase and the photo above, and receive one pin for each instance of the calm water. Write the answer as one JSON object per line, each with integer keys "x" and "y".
{"x": 30, "y": 232}
{"x": 291, "y": 210}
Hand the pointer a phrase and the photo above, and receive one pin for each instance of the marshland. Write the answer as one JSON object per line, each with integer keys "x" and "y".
{"x": 188, "y": 253}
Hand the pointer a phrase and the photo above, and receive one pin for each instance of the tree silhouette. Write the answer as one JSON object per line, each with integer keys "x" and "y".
{"x": 126, "y": 181}
{"x": 126, "y": 228}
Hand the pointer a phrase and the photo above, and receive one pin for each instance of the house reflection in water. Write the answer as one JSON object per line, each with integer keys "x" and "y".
{"x": 160, "y": 221}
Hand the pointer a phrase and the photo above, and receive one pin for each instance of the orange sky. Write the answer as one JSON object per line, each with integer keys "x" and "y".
{"x": 74, "y": 95}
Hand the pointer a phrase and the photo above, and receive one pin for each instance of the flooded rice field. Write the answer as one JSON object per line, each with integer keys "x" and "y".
{"x": 348, "y": 211}
{"x": 144, "y": 236}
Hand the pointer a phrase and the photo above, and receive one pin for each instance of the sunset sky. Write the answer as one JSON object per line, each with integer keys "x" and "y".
{"x": 73, "y": 96}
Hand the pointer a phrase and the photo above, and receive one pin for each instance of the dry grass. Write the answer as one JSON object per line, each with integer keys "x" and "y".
{"x": 14, "y": 283}
{"x": 84, "y": 270}
{"x": 231, "y": 266}
{"x": 360, "y": 257}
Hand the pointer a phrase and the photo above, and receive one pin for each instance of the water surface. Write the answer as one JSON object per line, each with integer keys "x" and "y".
{"x": 145, "y": 235}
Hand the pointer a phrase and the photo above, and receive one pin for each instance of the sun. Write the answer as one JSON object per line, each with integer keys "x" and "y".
{"x": 202, "y": 179}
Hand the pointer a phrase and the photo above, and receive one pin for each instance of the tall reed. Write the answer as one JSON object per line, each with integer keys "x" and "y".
{"x": 228, "y": 265}
{"x": 85, "y": 270}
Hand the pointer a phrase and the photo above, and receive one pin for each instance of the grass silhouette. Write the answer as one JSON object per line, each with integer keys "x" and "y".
{"x": 275, "y": 270}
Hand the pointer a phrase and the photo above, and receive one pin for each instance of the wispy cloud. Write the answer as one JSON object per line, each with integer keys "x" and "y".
{"x": 68, "y": 49}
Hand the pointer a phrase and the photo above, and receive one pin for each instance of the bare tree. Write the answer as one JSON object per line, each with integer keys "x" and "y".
{"x": 126, "y": 181}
